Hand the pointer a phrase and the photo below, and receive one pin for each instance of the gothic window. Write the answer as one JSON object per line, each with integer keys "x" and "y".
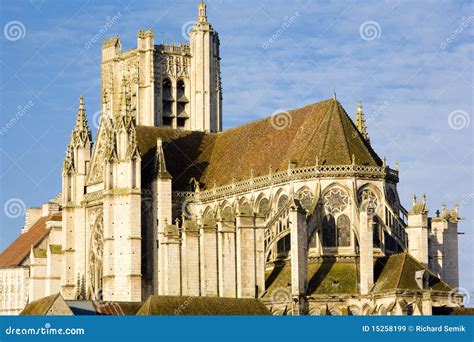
{"x": 343, "y": 231}
{"x": 96, "y": 253}
{"x": 377, "y": 232}
{"x": 306, "y": 198}
{"x": 208, "y": 219}
{"x": 168, "y": 102}
{"x": 329, "y": 231}
{"x": 182, "y": 104}
{"x": 335, "y": 200}
{"x": 282, "y": 201}
{"x": 366, "y": 197}
{"x": 263, "y": 206}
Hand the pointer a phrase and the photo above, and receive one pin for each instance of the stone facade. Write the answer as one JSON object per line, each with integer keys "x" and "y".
{"x": 164, "y": 203}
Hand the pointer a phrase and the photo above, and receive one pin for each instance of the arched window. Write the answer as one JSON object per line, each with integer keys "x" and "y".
{"x": 182, "y": 104}
{"x": 263, "y": 206}
{"x": 282, "y": 201}
{"x": 343, "y": 231}
{"x": 168, "y": 101}
{"x": 329, "y": 231}
{"x": 377, "y": 232}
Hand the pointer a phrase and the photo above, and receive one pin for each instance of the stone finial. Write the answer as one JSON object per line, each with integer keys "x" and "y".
{"x": 81, "y": 133}
{"x": 202, "y": 15}
{"x": 424, "y": 198}
{"x": 443, "y": 207}
{"x": 384, "y": 162}
{"x": 360, "y": 122}
{"x": 414, "y": 200}
{"x": 456, "y": 208}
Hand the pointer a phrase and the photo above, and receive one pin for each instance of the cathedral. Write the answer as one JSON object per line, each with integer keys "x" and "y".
{"x": 296, "y": 210}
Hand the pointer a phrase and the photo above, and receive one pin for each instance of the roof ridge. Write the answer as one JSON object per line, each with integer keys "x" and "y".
{"x": 402, "y": 269}
{"x": 315, "y": 131}
{"x": 269, "y": 116}
{"x": 338, "y": 110}
{"x": 323, "y": 145}
{"x": 56, "y": 296}
{"x": 427, "y": 269}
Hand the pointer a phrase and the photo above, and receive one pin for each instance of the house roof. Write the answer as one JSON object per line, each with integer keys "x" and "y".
{"x": 19, "y": 249}
{"x": 322, "y": 130}
{"x": 53, "y": 305}
{"x": 398, "y": 272}
{"x": 201, "y": 306}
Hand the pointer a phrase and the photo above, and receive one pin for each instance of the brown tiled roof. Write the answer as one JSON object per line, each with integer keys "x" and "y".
{"x": 19, "y": 249}
{"x": 322, "y": 129}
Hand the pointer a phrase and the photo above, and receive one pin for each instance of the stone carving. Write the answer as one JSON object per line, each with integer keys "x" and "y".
{"x": 336, "y": 200}
{"x": 96, "y": 252}
{"x": 366, "y": 197}
{"x": 306, "y": 198}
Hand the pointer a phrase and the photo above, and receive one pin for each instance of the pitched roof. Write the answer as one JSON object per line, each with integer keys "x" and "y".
{"x": 322, "y": 130}
{"x": 324, "y": 278}
{"x": 398, "y": 272}
{"x": 202, "y": 306}
{"x": 51, "y": 305}
{"x": 19, "y": 249}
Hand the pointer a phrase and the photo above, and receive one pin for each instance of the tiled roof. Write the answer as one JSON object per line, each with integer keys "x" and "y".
{"x": 19, "y": 249}
{"x": 51, "y": 305}
{"x": 201, "y": 306}
{"x": 322, "y": 130}
{"x": 331, "y": 276}
{"x": 398, "y": 272}
{"x": 324, "y": 278}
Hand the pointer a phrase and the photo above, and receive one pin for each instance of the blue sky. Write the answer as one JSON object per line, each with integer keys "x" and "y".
{"x": 410, "y": 62}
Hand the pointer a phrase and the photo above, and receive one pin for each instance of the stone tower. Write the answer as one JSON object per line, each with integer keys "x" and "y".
{"x": 443, "y": 245}
{"x": 75, "y": 169}
{"x": 206, "y": 97}
{"x": 417, "y": 231}
{"x": 175, "y": 86}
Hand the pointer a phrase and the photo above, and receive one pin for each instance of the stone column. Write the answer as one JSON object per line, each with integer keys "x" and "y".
{"x": 190, "y": 259}
{"x": 366, "y": 251}
{"x": 208, "y": 262}
{"x": 171, "y": 262}
{"x": 299, "y": 257}
{"x": 246, "y": 265}
{"x": 427, "y": 304}
{"x": 226, "y": 262}
{"x": 260, "y": 253}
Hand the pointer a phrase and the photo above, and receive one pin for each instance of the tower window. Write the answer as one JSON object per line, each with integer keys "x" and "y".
{"x": 168, "y": 102}
{"x": 182, "y": 104}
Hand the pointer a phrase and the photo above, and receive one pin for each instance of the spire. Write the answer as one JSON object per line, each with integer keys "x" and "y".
{"x": 202, "y": 16}
{"x": 360, "y": 122}
{"x": 160, "y": 163}
{"x": 81, "y": 133}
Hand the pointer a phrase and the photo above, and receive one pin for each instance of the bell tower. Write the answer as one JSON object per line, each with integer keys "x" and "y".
{"x": 206, "y": 96}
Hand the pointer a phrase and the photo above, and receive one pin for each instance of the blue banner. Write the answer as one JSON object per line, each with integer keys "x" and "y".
{"x": 211, "y": 328}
